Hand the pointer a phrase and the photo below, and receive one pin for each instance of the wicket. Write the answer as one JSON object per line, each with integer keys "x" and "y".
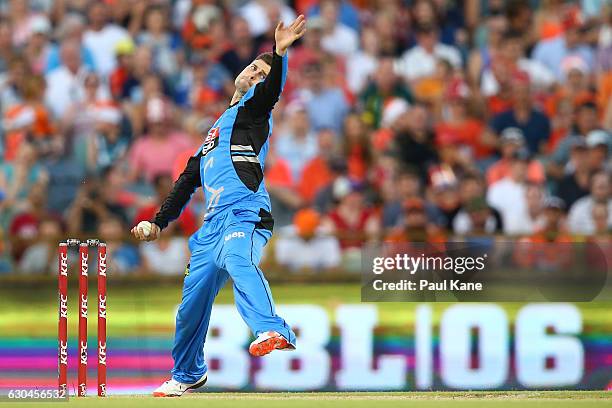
{"x": 82, "y": 331}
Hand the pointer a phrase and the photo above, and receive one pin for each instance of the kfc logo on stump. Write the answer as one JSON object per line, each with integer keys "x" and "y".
{"x": 102, "y": 306}
{"x": 102, "y": 266}
{"x": 63, "y": 353}
{"x": 102, "y": 353}
{"x": 64, "y": 264}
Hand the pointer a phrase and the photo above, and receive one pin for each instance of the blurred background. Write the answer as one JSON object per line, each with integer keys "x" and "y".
{"x": 401, "y": 120}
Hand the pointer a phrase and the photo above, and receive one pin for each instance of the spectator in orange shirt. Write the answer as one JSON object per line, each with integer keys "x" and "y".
{"x": 357, "y": 147}
{"x": 317, "y": 174}
{"x": 457, "y": 127}
{"x": 512, "y": 140}
{"x": 416, "y": 228}
{"x": 29, "y": 120}
{"x": 548, "y": 247}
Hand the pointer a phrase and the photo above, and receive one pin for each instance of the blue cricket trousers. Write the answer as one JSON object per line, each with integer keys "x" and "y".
{"x": 228, "y": 245}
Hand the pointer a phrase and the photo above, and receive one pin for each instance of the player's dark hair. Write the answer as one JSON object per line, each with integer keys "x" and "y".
{"x": 265, "y": 57}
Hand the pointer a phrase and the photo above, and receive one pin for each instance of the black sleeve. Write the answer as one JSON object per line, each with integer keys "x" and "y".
{"x": 185, "y": 186}
{"x": 268, "y": 91}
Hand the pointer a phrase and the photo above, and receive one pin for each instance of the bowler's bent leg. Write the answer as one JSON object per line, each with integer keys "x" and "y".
{"x": 200, "y": 288}
{"x": 241, "y": 255}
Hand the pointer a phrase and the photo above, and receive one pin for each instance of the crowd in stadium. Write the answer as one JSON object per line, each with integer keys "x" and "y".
{"x": 413, "y": 120}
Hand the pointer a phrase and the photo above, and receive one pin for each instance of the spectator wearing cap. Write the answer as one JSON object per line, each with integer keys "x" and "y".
{"x": 415, "y": 226}
{"x": 71, "y": 27}
{"x": 443, "y": 196}
{"x": 153, "y": 154}
{"x": 304, "y": 246}
{"x": 511, "y": 141}
{"x": 586, "y": 120}
{"x": 575, "y": 184}
{"x": 338, "y": 39}
{"x": 476, "y": 218}
{"x": 383, "y": 89}
{"x": 110, "y": 141}
{"x": 509, "y": 196}
{"x": 534, "y": 124}
{"x": 22, "y": 19}
{"x": 599, "y": 143}
{"x": 102, "y": 36}
{"x": 575, "y": 89}
{"x": 38, "y": 45}
{"x": 553, "y": 220}
{"x": 122, "y": 78}
{"x": 296, "y": 142}
{"x": 352, "y": 220}
{"x": 538, "y": 250}
{"x": 420, "y": 61}
{"x": 552, "y": 52}
{"x": 580, "y": 218}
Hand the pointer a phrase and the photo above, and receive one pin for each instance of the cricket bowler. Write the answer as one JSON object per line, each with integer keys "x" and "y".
{"x": 238, "y": 220}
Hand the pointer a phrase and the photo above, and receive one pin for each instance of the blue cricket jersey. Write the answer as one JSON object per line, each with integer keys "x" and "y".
{"x": 229, "y": 165}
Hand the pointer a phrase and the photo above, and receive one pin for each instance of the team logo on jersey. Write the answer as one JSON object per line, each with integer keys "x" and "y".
{"x": 211, "y": 141}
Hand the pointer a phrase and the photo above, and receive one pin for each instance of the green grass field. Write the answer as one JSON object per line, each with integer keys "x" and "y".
{"x": 357, "y": 400}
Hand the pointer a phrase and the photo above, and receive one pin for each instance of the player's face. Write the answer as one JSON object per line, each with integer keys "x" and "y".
{"x": 254, "y": 73}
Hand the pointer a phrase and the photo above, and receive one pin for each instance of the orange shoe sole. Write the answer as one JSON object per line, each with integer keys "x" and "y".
{"x": 267, "y": 346}
{"x": 161, "y": 394}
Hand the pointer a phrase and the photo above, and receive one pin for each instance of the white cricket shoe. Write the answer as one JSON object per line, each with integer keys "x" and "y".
{"x": 173, "y": 388}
